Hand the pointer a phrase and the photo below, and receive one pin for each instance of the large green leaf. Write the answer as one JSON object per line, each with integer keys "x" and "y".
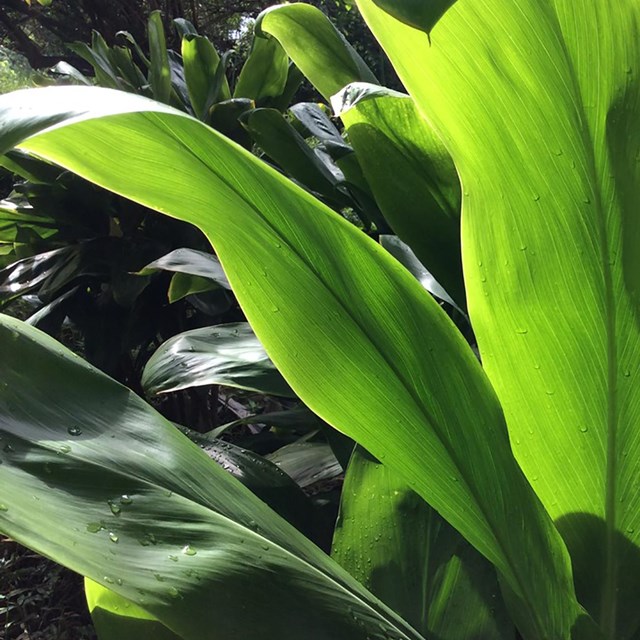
{"x": 355, "y": 335}
{"x": 538, "y": 103}
{"x": 94, "y": 477}
{"x": 394, "y": 543}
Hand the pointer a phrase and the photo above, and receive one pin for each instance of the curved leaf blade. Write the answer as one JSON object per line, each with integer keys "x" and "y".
{"x": 228, "y": 355}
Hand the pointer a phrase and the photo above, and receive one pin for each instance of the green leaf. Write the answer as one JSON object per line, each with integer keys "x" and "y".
{"x": 421, "y": 14}
{"x": 307, "y": 462}
{"x": 265, "y": 73}
{"x": 390, "y": 540}
{"x": 191, "y": 262}
{"x": 546, "y": 147}
{"x": 318, "y": 49}
{"x": 411, "y": 175}
{"x": 116, "y": 618}
{"x": 229, "y": 355}
{"x": 183, "y": 285}
{"x": 354, "y": 334}
{"x": 101, "y": 482}
{"x": 205, "y": 83}
{"x": 159, "y": 71}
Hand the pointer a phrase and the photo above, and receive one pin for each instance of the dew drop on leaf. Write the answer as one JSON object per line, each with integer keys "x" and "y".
{"x": 74, "y": 431}
{"x": 584, "y": 428}
{"x": 113, "y": 537}
{"x": 115, "y": 509}
{"x": 188, "y": 550}
{"x": 3, "y": 507}
{"x": 125, "y": 499}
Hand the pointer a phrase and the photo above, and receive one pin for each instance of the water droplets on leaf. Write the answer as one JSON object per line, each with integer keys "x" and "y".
{"x": 522, "y": 331}
{"x": 159, "y": 577}
{"x": 64, "y": 449}
{"x": 108, "y": 579}
{"x": 3, "y": 507}
{"x": 188, "y": 550}
{"x": 74, "y": 431}
{"x": 584, "y": 428}
{"x": 173, "y": 592}
{"x": 115, "y": 509}
{"x": 113, "y": 537}
{"x": 173, "y": 558}
{"x": 125, "y": 499}
{"x": 94, "y": 527}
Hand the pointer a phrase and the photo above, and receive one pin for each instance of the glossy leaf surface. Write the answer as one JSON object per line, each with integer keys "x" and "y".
{"x": 229, "y": 355}
{"x": 100, "y": 481}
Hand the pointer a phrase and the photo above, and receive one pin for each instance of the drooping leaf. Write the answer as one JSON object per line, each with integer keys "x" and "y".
{"x": 394, "y": 543}
{"x": 100, "y": 481}
{"x": 318, "y": 49}
{"x": 358, "y": 339}
{"x": 307, "y": 462}
{"x": 227, "y": 354}
{"x": 191, "y": 262}
{"x": 420, "y": 14}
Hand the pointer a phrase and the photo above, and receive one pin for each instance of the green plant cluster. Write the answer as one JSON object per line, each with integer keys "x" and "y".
{"x": 491, "y": 488}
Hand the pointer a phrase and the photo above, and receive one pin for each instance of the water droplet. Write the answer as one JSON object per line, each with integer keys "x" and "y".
{"x": 3, "y": 507}
{"x": 275, "y": 309}
{"x": 94, "y": 527}
{"x": 115, "y": 509}
{"x": 479, "y": 263}
{"x": 188, "y": 550}
{"x": 159, "y": 577}
{"x": 74, "y": 431}
{"x": 113, "y": 537}
{"x": 536, "y": 366}
{"x": 173, "y": 558}
{"x": 584, "y": 428}
{"x": 119, "y": 582}
{"x": 557, "y": 152}
{"x": 586, "y": 200}
{"x": 173, "y": 592}
{"x": 630, "y": 529}
{"x": 627, "y": 373}
{"x": 125, "y": 499}
{"x": 522, "y": 247}
{"x": 536, "y": 197}
{"x": 107, "y": 579}
{"x": 7, "y": 448}
{"x": 550, "y": 392}
{"x": 64, "y": 448}
{"x": 522, "y": 330}
{"x": 265, "y": 547}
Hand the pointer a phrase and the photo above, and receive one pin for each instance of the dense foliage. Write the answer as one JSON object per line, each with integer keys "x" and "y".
{"x": 491, "y": 497}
